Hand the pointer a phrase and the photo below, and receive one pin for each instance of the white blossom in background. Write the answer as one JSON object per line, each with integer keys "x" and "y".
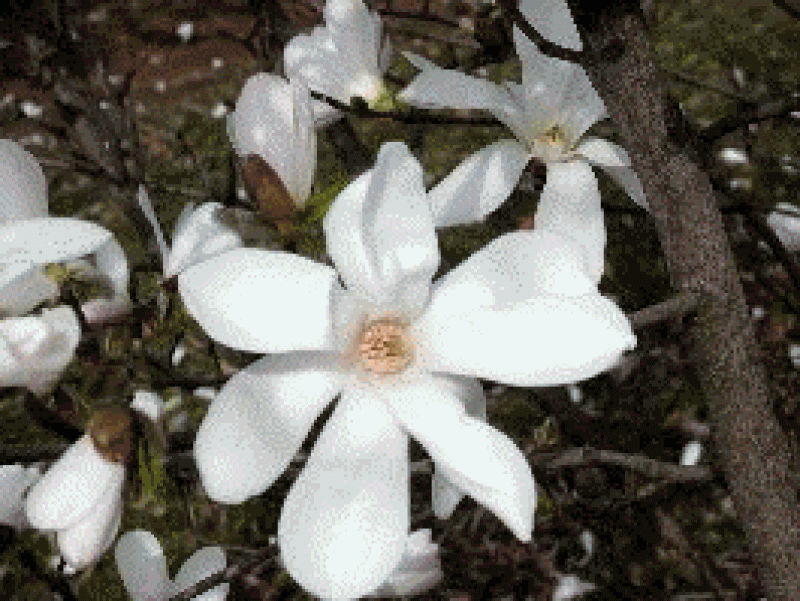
{"x": 733, "y": 156}
{"x": 570, "y": 586}
{"x": 403, "y": 353}
{"x": 143, "y": 568}
{"x": 29, "y": 239}
{"x": 691, "y": 453}
{"x": 14, "y": 482}
{"x": 548, "y": 113}
{"x": 184, "y": 31}
{"x": 794, "y": 355}
{"x": 35, "y": 349}
{"x": 198, "y": 235}
{"x": 274, "y": 119}
{"x": 785, "y": 220}
{"x": 344, "y": 58}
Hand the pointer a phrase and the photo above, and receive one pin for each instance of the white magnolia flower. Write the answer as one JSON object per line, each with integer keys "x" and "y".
{"x": 691, "y": 453}
{"x": 548, "y": 113}
{"x": 198, "y": 235}
{"x": 785, "y": 220}
{"x": 14, "y": 481}
{"x": 80, "y": 497}
{"x": 570, "y": 586}
{"x": 403, "y": 355}
{"x": 345, "y": 58}
{"x": 274, "y": 119}
{"x": 143, "y": 569}
{"x": 29, "y": 238}
{"x": 35, "y": 349}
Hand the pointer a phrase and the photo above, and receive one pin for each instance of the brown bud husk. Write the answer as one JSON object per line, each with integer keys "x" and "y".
{"x": 265, "y": 186}
{"x": 112, "y": 434}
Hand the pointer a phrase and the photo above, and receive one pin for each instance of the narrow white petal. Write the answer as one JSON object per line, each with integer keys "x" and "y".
{"x": 72, "y": 487}
{"x": 786, "y": 223}
{"x": 691, "y": 453}
{"x": 261, "y": 301}
{"x": 552, "y": 19}
{"x": 380, "y": 233}
{"x": 617, "y": 164}
{"x": 344, "y": 524}
{"x": 435, "y": 87}
{"x": 570, "y": 206}
{"x": 259, "y": 420}
{"x": 544, "y": 341}
{"x": 142, "y": 566}
{"x": 49, "y": 240}
{"x": 84, "y": 542}
{"x": 23, "y": 194}
{"x": 202, "y": 564}
{"x": 480, "y": 460}
{"x": 479, "y": 185}
{"x": 305, "y": 144}
{"x": 570, "y": 586}
{"x": 111, "y": 262}
{"x": 147, "y": 208}
{"x": 148, "y": 404}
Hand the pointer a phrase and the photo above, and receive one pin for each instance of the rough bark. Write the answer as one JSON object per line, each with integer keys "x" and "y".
{"x": 754, "y": 451}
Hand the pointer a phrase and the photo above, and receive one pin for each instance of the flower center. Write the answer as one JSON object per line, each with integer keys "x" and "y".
{"x": 383, "y": 347}
{"x": 551, "y": 145}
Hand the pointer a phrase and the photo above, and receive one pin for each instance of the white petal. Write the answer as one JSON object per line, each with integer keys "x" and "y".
{"x": 259, "y": 420}
{"x": 480, "y": 460}
{"x": 202, "y": 564}
{"x": 511, "y": 269}
{"x": 570, "y": 586}
{"x": 552, "y": 19}
{"x": 570, "y": 206}
{"x": 49, "y": 240}
{"x": 23, "y": 194}
{"x": 344, "y": 524}
{"x": 35, "y": 350}
{"x": 691, "y": 453}
{"x": 545, "y": 341}
{"x": 142, "y": 566}
{"x": 105, "y": 310}
{"x": 111, "y": 262}
{"x": 261, "y": 301}
{"x": 435, "y": 87}
{"x": 14, "y": 481}
{"x": 445, "y": 495}
{"x": 84, "y": 542}
{"x": 149, "y": 404}
{"x": 199, "y": 236}
{"x": 617, "y": 164}
{"x": 72, "y": 487}
{"x": 786, "y": 223}
{"x": 557, "y": 92}
{"x": 419, "y": 570}
{"x": 479, "y": 185}
{"x": 25, "y": 291}
{"x": 380, "y": 233}
{"x": 273, "y": 119}
{"x": 147, "y": 208}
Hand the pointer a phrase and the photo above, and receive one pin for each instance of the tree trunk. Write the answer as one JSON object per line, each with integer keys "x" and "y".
{"x": 754, "y": 451}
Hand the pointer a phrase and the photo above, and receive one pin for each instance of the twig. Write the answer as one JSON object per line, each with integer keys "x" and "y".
{"x": 765, "y": 112}
{"x": 678, "y": 305}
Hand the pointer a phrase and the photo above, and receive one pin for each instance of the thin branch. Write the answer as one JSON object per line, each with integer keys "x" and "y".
{"x": 673, "y": 307}
{"x": 732, "y": 123}
{"x": 431, "y": 18}
{"x": 365, "y": 112}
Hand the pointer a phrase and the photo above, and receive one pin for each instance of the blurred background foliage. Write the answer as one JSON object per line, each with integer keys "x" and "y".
{"x": 653, "y": 538}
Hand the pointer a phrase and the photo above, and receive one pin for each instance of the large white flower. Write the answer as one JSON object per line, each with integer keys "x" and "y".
{"x": 35, "y": 349}
{"x": 548, "y": 113}
{"x": 274, "y": 119}
{"x": 29, "y": 238}
{"x": 404, "y": 357}
{"x": 143, "y": 569}
{"x": 344, "y": 58}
